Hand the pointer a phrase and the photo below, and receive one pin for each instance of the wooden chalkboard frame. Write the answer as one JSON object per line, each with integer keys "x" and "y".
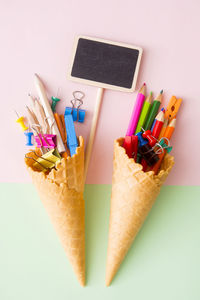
{"x": 100, "y": 84}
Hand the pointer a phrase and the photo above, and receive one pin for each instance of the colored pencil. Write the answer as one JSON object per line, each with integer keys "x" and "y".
{"x": 170, "y": 129}
{"x": 136, "y": 111}
{"x": 163, "y": 129}
{"x": 158, "y": 124}
{"x": 162, "y": 109}
{"x": 144, "y": 113}
{"x": 168, "y": 134}
{"x": 153, "y": 112}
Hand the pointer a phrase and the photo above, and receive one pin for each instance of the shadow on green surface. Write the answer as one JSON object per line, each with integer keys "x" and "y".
{"x": 97, "y": 202}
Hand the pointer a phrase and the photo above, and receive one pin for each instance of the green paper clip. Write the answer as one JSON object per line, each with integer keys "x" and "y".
{"x": 165, "y": 146}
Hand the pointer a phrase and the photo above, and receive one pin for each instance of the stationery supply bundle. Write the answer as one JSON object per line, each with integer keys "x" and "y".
{"x": 141, "y": 165}
{"x": 56, "y": 167}
{"x": 141, "y": 160}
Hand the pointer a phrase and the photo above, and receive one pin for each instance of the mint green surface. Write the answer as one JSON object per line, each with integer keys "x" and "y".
{"x": 163, "y": 264}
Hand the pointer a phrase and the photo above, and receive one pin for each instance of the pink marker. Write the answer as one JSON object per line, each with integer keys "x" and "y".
{"x": 136, "y": 111}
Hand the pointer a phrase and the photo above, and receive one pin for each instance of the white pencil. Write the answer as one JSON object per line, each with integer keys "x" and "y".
{"x": 48, "y": 112}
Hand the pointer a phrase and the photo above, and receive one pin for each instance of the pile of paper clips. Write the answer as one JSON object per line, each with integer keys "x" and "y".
{"x": 53, "y": 134}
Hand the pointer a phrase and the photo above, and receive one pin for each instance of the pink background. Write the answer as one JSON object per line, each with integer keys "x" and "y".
{"x": 37, "y": 36}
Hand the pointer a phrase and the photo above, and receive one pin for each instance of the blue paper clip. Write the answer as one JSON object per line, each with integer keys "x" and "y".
{"x": 72, "y": 142}
{"x": 77, "y": 113}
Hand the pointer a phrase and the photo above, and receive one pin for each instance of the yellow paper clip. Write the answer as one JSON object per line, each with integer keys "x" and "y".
{"x": 38, "y": 165}
{"x": 47, "y": 160}
{"x": 172, "y": 108}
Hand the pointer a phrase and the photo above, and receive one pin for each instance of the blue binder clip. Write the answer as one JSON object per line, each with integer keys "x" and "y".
{"x": 77, "y": 113}
{"x": 72, "y": 142}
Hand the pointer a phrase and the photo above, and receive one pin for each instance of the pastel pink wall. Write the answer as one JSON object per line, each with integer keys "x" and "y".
{"x": 37, "y": 36}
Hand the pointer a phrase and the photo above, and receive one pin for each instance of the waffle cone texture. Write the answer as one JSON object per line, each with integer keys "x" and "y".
{"x": 61, "y": 192}
{"x": 133, "y": 195}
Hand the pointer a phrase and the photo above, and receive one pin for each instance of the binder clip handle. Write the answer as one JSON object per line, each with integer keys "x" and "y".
{"x": 77, "y": 113}
{"x": 78, "y": 95}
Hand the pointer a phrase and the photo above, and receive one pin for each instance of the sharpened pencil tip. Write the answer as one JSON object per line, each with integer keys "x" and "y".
{"x": 36, "y": 76}
{"x": 144, "y": 83}
{"x": 151, "y": 93}
{"x": 161, "y": 91}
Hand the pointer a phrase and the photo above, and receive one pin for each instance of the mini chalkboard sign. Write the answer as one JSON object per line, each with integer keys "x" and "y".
{"x": 104, "y": 64}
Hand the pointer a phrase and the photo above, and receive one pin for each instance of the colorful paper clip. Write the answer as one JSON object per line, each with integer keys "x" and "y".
{"x": 46, "y": 140}
{"x": 77, "y": 113}
{"x": 72, "y": 142}
{"x": 46, "y": 161}
{"x": 131, "y": 145}
{"x": 163, "y": 144}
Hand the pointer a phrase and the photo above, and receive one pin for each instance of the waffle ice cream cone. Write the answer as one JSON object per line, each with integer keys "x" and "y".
{"x": 61, "y": 192}
{"x": 133, "y": 194}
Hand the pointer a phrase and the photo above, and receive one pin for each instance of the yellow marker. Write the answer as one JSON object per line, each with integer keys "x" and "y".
{"x": 20, "y": 120}
{"x": 172, "y": 108}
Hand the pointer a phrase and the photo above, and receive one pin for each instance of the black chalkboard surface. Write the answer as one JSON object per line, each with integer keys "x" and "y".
{"x": 105, "y": 64}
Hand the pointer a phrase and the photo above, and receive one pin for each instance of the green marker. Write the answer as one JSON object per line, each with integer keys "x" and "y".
{"x": 144, "y": 114}
{"x": 153, "y": 112}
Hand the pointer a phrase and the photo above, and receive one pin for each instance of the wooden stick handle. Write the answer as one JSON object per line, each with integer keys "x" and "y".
{"x": 93, "y": 129}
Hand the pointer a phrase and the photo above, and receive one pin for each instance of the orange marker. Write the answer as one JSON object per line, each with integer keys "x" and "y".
{"x": 168, "y": 134}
